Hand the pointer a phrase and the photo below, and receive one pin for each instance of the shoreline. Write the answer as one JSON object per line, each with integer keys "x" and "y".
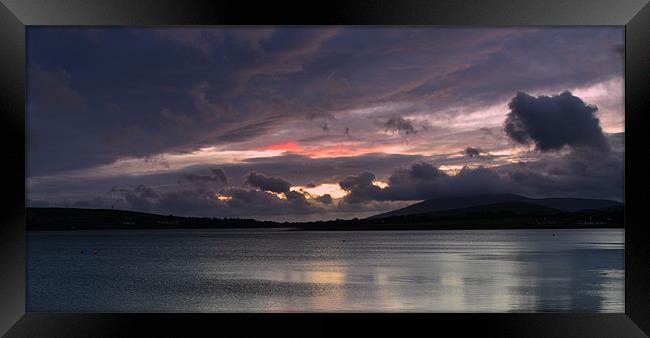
{"x": 486, "y": 217}
{"x": 404, "y": 228}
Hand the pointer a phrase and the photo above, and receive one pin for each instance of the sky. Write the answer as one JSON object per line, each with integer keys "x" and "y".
{"x": 315, "y": 123}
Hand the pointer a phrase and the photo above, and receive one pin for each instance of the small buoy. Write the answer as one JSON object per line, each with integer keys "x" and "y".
{"x": 81, "y": 252}
{"x": 94, "y": 252}
{"x": 343, "y": 241}
{"x": 553, "y": 235}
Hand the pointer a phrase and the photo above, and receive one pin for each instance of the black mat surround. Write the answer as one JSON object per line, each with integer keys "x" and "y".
{"x": 16, "y": 14}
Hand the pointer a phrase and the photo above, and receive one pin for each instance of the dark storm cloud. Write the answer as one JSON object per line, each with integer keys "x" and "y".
{"x": 360, "y": 188}
{"x": 472, "y": 152}
{"x": 274, "y": 184}
{"x": 297, "y": 198}
{"x": 364, "y": 179}
{"x": 218, "y": 176}
{"x": 418, "y": 171}
{"x": 191, "y": 202}
{"x": 422, "y": 181}
{"x": 584, "y": 173}
{"x": 140, "y": 198}
{"x": 439, "y": 184}
{"x": 399, "y": 125}
{"x": 252, "y": 202}
{"x": 552, "y": 122}
{"x": 204, "y": 201}
{"x": 325, "y": 199}
{"x": 473, "y": 181}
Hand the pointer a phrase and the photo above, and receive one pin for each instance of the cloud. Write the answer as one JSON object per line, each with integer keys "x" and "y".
{"x": 472, "y": 152}
{"x": 205, "y": 201}
{"x": 296, "y": 197}
{"x": 417, "y": 171}
{"x": 362, "y": 180}
{"x": 273, "y": 184}
{"x": 400, "y": 125}
{"x": 552, "y": 122}
{"x": 475, "y": 181}
{"x": 141, "y": 198}
{"x": 325, "y": 199}
{"x": 586, "y": 174}
{"x": 302, "y": 170}
{"x": 589, "y": 174}
{"x": 423, "y": 181}
{"x": 360, "y": 188}
{"x": 420, "y": 181}
{"x": 255, "y": 202}
{"x": 218, "y": 176}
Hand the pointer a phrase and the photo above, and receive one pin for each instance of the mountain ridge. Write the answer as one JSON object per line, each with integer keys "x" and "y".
{"x": 563, "y": 204}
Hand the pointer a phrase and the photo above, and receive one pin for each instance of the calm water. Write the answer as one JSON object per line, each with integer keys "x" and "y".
{"x": 273, "y": 270}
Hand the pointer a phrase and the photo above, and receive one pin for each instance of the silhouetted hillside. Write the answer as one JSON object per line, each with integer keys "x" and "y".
{"x": 506, "y": 215}
{"x": 495, "y": 209}
{"x": 441, "y": 204}
{"x": 87, "y": 219}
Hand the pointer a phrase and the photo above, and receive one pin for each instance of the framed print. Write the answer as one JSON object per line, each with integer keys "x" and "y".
{"x": 202, "y": 164}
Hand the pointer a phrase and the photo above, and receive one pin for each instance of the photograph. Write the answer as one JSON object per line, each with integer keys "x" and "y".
{"x": 347, "y": 168}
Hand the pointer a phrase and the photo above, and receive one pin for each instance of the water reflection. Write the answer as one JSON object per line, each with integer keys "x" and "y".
{"x": 242, "y": 271}
{"x": 329, "y": 277}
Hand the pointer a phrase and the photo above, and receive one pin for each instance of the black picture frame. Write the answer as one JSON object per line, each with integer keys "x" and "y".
{"x": 16, "y": 14}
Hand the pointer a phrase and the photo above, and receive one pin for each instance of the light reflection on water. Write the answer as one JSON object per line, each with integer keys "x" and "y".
{"x": 287, "y": 271}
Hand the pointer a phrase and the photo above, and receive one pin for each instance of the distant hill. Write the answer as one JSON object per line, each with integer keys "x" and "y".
{"x": 505, "y": 208}
{"x": 89, "y": 219}
{"x": 442, "y": 204}
{"x": 515, "y": 213}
